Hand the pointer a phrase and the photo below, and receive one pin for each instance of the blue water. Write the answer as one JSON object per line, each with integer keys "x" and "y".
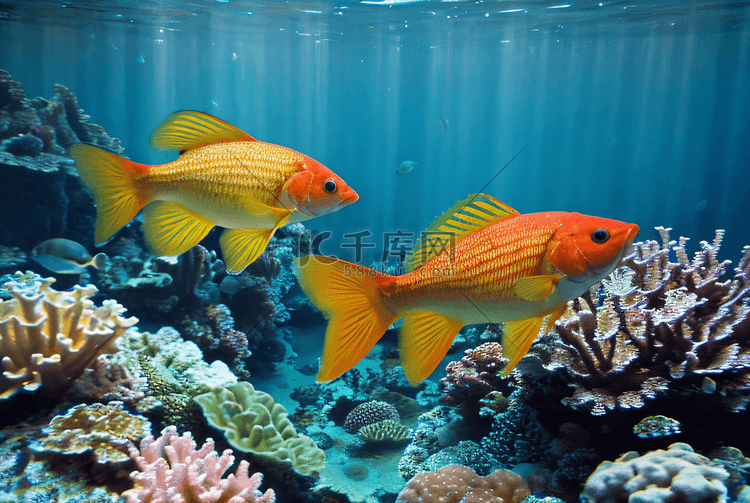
{"x": 628, "y": 110}
{"x": 632, "y": 110}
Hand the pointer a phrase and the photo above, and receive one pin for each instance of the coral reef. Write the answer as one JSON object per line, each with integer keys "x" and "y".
{"x": 104, "y": 432}
{"x": 474, "y": 376}
{"x": 657, "y": 426}
{"x": 426, "y": 439}
{"x": 253, "y": 422}
{"x": 456, "y": 483}
{"x": 661, "y": 326}
{"x": 368, "y": 413}
{"x": 677, "y": 474}
{"x": 48, "y": 338}
{"x": 516, "y": 436}
{"x": 41, "y": 195}
{"x": 173, "y": 471}
{"x": 385, "y": 431}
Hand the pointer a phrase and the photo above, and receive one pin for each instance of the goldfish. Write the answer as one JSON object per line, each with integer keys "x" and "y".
{"x": 64, "y": 256}
{"x": 223, "y": 177}
{"x": 480, "y": 262}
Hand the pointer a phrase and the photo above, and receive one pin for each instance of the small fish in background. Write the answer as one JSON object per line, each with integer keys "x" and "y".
{"x": 140, "y": 59}
{"x": 406, "y": 166}
{"x": 64, "y": 256}
{"x": 443, "y": 125}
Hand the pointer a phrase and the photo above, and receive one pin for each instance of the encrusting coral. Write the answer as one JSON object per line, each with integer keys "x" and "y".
{"x": 677, "y": 474}
{"x": 253, "y": 422}
{"x": 457, "y": 483}
{"x": 172, "y": 471}
{"x": 48, "y": 338}
{"x": 662, "y": 326}
{"x": 105, "y": 431}
{"x": 385, "y": 431}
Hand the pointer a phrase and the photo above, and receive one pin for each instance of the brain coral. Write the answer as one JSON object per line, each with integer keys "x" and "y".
{"x": 677, "y": 474}
{"x": 457, "y": 483}
{"x": 48, "y": 338}
{"x": 368, "y": 413}
{"x": 252, "y": 421}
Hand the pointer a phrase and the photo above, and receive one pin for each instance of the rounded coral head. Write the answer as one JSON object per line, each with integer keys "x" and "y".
{"x": 316, "y": 190}
{"x": 585, "y": 245}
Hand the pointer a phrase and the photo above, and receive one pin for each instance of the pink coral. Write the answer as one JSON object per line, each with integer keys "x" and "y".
{"x": 458, "y": 483}
{"x": 190, "y": 476}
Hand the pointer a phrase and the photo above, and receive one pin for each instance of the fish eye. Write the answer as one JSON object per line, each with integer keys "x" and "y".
{"x": 600, "y": 236}
{"x": 329, "y": 186}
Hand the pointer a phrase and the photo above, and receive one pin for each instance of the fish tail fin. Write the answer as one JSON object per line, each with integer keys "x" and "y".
{"x": 424, "y": 340}
{"x": 99, "y": 260}
{"x": 348, "y": 296}
{"x": 111, "y": 179}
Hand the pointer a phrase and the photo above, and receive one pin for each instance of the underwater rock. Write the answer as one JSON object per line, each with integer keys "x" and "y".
{"x": 23, "y": 145}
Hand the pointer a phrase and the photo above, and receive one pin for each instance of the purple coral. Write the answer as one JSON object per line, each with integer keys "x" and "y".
{"x": 173, "y": 471}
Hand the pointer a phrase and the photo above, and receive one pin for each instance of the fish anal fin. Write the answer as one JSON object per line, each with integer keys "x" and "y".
{"x": 171, "y": 229}
{"x": 189, "y": 129}
{"x": 242, "y": 247}
{"x": 536, "y": 288}
{"x": 463, "y": 218}
{"x": 517, "y": 339}
{"x": 424, "y": 340}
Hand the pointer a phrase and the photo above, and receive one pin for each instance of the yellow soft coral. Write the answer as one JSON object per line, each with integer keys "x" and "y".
{"x": 47, "y": 338}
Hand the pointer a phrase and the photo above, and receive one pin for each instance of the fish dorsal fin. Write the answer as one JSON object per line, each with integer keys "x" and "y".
{"x": 463, "y": 218}
{"x": 188, "y": 130}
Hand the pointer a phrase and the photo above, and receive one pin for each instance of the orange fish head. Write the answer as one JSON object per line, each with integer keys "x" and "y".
{"x": 316, "y": 190}
{"x": 590, "y": 246}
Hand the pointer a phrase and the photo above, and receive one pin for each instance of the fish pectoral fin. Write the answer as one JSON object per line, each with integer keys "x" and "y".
{"x": 189, "y": 129}
{"x": 242, "y": 247}
{"x": 424, "y": 340}
{"x": 171, "y": 229}
{"x": 536, "y": 288}
{"x": 517, "y": 339}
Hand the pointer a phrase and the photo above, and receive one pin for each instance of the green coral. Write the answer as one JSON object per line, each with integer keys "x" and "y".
{"x": 105, "y": 430}
{"x": 385, "y": 431}
{"x": 253, "y": 422}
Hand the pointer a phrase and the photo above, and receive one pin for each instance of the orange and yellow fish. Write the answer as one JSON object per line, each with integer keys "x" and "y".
{"x": 496, "y": 266}
{"x": 223, "y": 177}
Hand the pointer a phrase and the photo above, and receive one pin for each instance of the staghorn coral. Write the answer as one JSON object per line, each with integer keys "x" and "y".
{"x": 253, "y": 422}
{"x": 662, "y": 325}
{"x": 677, "y": 474}
{"x": 369, "y": 413}
{"x": 173, "y": 471}
{"x": 48, "y": 338}
{"x": 456, "y": 483}
{"x": 385, "y": 431}
{"x": 105, "y": 432}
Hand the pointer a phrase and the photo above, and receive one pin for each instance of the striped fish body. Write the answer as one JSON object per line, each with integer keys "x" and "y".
{"x": 486, "y": 264}
{"x": 223, "y": 177}
{"x": 224, "y": 182}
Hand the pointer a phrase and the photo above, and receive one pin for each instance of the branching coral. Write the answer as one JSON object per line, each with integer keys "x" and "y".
{"x": 475, "y": 375}
{"x": 172, "y": 471}
{"x": 456, "y": 483}
{"x": 661, "y": 325}
{"x": 48, "y": 338}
